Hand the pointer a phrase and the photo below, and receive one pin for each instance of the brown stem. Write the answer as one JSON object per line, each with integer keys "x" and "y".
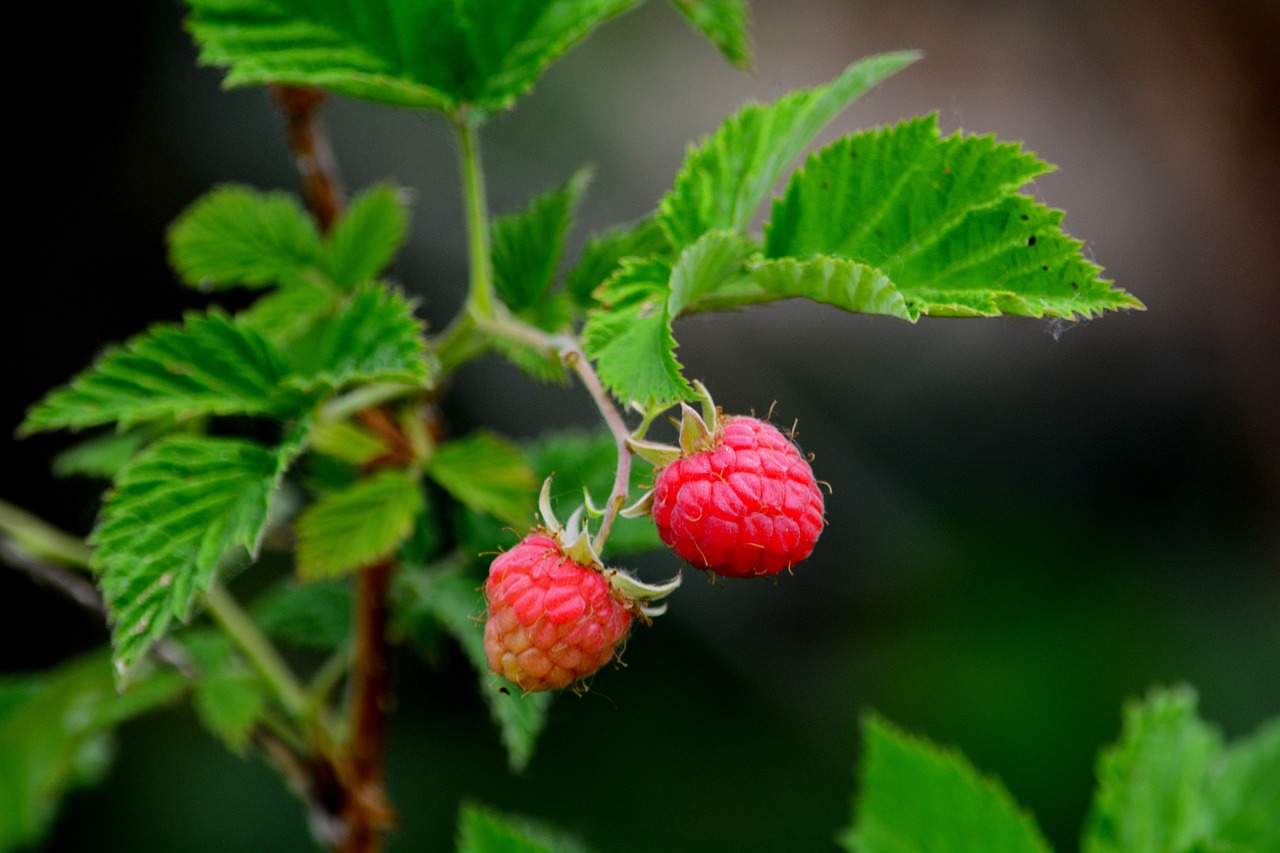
{"x": 366, "y": 811}
{"x": 312, "y": 156}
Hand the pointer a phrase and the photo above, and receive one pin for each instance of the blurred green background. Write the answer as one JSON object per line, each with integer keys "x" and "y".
{"x": 1029, "y": 522}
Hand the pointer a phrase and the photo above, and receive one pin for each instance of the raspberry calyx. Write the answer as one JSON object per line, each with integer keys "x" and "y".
{"x": 737, "y": 498}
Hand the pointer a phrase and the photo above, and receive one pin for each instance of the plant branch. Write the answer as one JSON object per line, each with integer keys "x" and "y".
{"x": 576, "y": 361}
{"x": 366, "y": 810}
{"x": 312, "y": 155}
{"x": 257, "y": 649}
{"x": 69, "y": 582}
{"x": 41, "y": 539}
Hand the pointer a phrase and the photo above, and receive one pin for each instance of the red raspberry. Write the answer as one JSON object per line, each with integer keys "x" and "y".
{"x": 748, "y": 505}
{"x": 552, "y": 621}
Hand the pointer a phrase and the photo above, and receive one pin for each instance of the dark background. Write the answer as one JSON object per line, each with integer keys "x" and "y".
{"x": 1030, "y": 521}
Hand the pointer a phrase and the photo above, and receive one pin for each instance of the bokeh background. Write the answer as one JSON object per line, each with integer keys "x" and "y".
{"x": 1030, "y": 521}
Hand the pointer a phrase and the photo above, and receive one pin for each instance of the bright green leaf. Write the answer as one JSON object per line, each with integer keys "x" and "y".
{"x": 487, "y": 474}
{"x": 373, "y": 337}
{"x": 630, "y": 337}
{"x": 210, "y": 365}
{"x": 453, "y": 599}
{"x": 832, "y": 281}
{"x": 605, "y": 252}
{"x": 55, "y": 735}
{"x": 415, "y": 53}
{"x": 1244, "y": 794}
{"x": 229, "y": 697}
{"x": 235, "y": 236}
{"x": 483, "y": 830}
{"x": 1151, "y": 784}
{"x": 727, "y": 176}
{"x": 365, "y": 238}
{"x": 286, "y": 313}
{"x": 724, "y": 23}
{"x": 346, "y": 442}
{"x": 942, "y": 220}
{"x": 350, "y": 529}
{"x": 178, "y": 511}
{"x": 101, "y": 456}
{"x": 527, "y": 246}
{"x": 915, "y": 797}
{"x": 313, "y": 615}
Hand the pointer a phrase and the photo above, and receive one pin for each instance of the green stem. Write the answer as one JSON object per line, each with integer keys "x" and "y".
{"x": 481, "y": 299}
{"x": 264, "y": 658}
{"x": 41, "y": 539}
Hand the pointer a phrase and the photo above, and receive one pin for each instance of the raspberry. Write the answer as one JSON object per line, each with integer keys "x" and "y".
{"x": 552, "y": 621}
{"x": 745, "y": 505}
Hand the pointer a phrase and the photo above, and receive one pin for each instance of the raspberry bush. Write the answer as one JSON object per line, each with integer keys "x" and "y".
{"x": 291, "y": 432}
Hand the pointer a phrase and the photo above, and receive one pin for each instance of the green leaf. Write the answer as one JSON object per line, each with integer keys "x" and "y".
{"x": 229, "y": 697}
{"x": 55, "y": 735}
{"x": 101, "y": 456}
{"x": 577, "y": 459}
{"x": 346, "y": 442}
{"x": 1244, "y": 794}
{"x": 630, "y": 336}
{"x": 285, "y": 314}
{"x": 487, "y": 474}
{"x": 942, "y": 220}
{"x": 727, "y": 175}
{"x": 915, "y": 797}
{"x": 483, "y": 830}
{"x": 453, "y": 599}
{"x": 527, "y": 246}
{"x": 724, "y": 23}
{"x": 235, "y": 236}
{"x": 436, "y": 54}
{"x": 373, "y": 337}
{"x": 350, "y": 529}
{"x": 313, "y": 615}
{"x": 179, "y": 510}
{"x": 832, "y": 281}
{"x": 210, "y": 365}
{"x": 1151, "y": 784}
{"x": 605, "y": 252}
{"x": 365, "y": 238}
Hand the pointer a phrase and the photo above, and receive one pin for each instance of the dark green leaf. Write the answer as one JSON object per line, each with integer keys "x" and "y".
{"x": 487, "y": 474}
{"x": 483, "y": 830}
{"x": 350, "y": 529}
{"x": 308, "y": 615}
{"x": 365, "y": 238}
{"x": 1151, "y": 784}
{"x": 55, "y": 735}
{"x": 917, "y": 798}
{"x": 942, "y": 220}
{"x": 373, "y": 337}
{"x": 453, "y": 599}
{"x": 178, "y": 512}
{"x": 229, "y": 698}
{"x": 415, "y": 53}
{"x": 235, "y": 236}
{"x": 211, "y": 365}
{"x": 727, "y": 176}
{"x": 724, "y": 22}
{"x": 604, "y": 254}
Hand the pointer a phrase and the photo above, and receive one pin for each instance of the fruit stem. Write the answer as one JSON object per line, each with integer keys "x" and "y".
{"x": 576, "y": 361}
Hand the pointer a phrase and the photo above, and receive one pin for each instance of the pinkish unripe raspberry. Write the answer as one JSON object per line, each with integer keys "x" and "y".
{"x": 552, "y": 621}
{"x": 747, "y": 504}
